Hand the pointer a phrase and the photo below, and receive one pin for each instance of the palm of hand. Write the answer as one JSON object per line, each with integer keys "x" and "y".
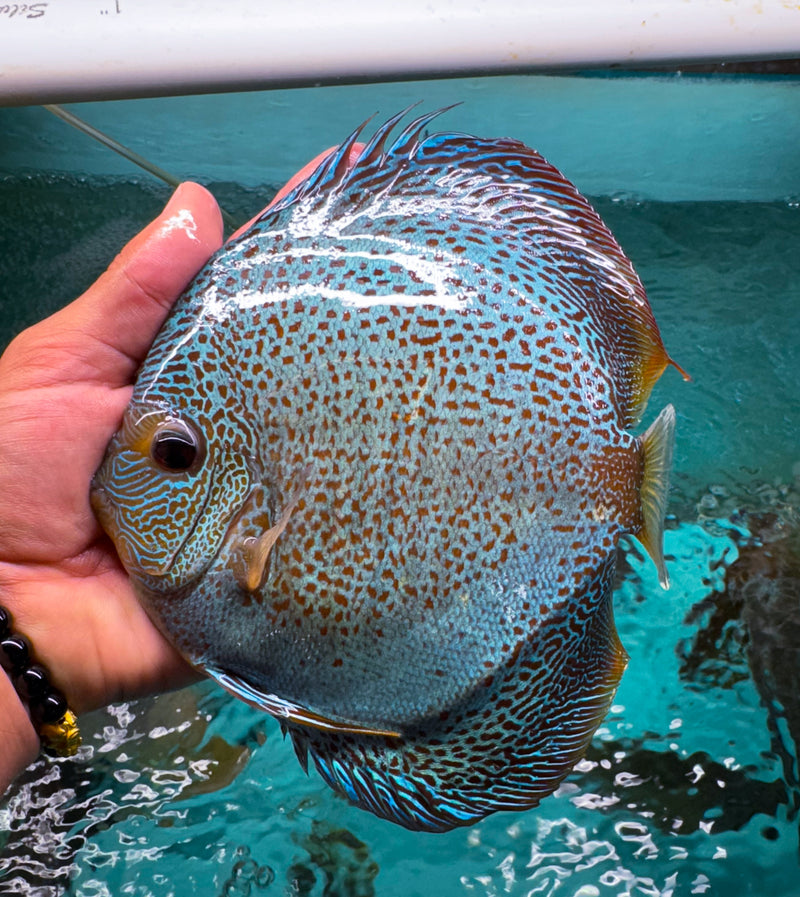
{"x": 63, "y": 387}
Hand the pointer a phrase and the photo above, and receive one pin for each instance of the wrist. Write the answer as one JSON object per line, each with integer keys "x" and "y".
{"x": 46, "y": 706}
{"x": 19, "y": 743}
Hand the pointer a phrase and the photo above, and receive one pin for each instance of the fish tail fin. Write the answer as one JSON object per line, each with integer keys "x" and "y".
{"x": 657, "y": 446}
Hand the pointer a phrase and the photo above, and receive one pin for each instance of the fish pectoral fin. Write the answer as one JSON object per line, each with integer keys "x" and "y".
{"x": 657, "y": 444}
{"x": 251, "y": 553}
{"x": 290, "y": 712}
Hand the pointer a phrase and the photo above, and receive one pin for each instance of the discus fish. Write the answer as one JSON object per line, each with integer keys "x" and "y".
{"x": 377, "y": 462}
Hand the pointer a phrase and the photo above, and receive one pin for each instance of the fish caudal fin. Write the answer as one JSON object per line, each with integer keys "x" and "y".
{"x": 657, "y": 445}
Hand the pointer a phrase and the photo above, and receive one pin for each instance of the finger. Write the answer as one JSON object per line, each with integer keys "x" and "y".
{"x": 298, "y": 178}
{"x": 112, "y": 325}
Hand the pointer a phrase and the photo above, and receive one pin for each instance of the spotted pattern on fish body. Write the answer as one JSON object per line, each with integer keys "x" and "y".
{"x": 377, "y": 462}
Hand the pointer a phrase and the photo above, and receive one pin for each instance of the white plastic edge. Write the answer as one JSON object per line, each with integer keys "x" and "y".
{"x": 72, "y": 50}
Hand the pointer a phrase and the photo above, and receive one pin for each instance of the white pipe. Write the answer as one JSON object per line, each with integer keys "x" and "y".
{"x": 100, "y": 49}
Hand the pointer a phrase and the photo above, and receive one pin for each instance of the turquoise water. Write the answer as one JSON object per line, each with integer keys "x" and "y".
{"x": 691, "y": 785}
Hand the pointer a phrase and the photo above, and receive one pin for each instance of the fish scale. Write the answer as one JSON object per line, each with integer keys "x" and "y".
{"x": 376, "y": 465}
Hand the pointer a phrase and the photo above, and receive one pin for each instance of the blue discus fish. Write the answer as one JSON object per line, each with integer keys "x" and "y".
{"x": 377, "y": 462}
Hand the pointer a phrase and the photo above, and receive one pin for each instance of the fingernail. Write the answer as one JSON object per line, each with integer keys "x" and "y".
{"x": 176, "y": 200}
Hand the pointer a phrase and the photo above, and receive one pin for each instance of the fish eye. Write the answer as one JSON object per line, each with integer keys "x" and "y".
{"x": 177, "y": 448}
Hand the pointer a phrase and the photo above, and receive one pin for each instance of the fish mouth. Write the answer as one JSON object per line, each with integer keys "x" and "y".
{"x": 104, "y": 511}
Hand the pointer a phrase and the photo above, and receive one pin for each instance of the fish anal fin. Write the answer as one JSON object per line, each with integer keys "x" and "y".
{"x": 299, "y": 747}
{"x": 290, "y": 712}
{"x": 657, "y": 446}
{"x": 506, "y": 746}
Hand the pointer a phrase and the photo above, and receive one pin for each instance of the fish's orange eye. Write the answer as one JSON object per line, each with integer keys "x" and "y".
{"x": 176, "y": 448}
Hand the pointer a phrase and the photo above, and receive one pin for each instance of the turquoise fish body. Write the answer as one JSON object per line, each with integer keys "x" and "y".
{"x": 377, "y": 462}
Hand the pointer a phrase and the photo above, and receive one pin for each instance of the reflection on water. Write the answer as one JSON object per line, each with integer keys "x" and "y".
{"x": 691, "y": 785}
{"x": 345, "y": 863}
{"x": 753, "y": 628}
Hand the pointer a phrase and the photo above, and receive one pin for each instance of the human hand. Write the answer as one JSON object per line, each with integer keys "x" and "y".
{"x": 64, "y": 384}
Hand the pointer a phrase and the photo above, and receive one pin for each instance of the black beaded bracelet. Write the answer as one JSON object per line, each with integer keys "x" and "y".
{"x": 50, "y": 715}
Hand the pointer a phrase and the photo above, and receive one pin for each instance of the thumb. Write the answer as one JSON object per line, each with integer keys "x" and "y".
{"x": 105, "y": 333}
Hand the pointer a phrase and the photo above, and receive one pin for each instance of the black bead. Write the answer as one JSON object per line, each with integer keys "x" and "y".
{"x": 33, "y": 683}
{"x": 5, "y": 622}
{"x": 15, "y": 651}
{"x": 52, "y": 707}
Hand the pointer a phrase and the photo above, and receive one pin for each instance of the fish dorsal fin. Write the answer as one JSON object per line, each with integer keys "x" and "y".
{"x": 288, "y": 711}
{"x": 335, "y": 171}
{"x": 408, "y": 140}
{"x": 503, "y": 189}
{"x": 657, "y": 446}
{"x": 561, "y": 234}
